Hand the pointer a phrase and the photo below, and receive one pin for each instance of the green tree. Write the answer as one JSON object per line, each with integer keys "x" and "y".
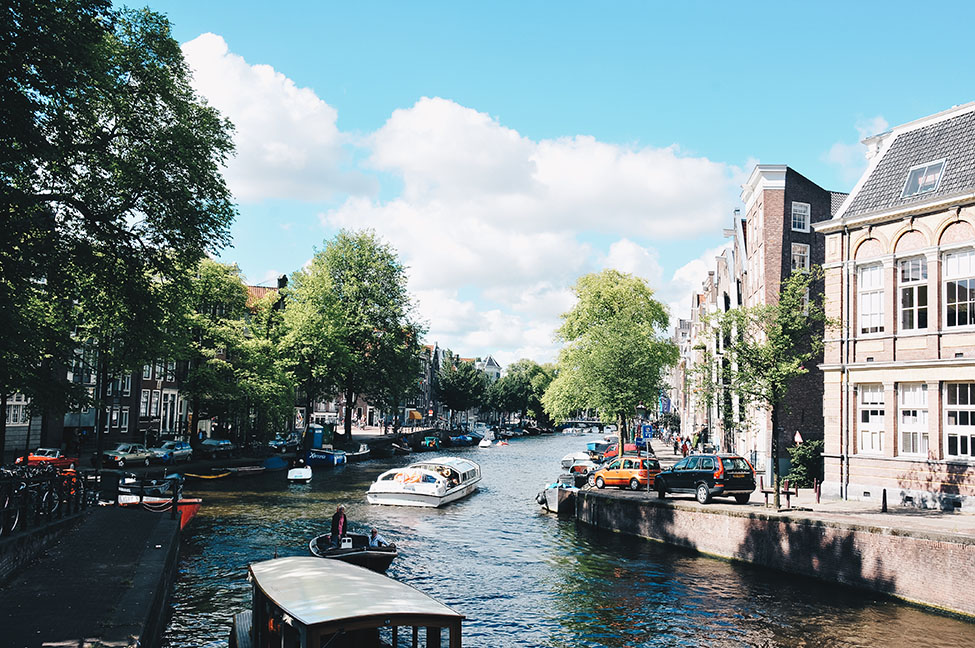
{"x": 807, "y": 464}
{"x": 460, "y": 385}
{"x": 111, "y": 186}
{"x": 364, "y": 316}
{"x": 522, "y": 387}
{"x": 769, "y": 346}
{"x": 615, "y": 352}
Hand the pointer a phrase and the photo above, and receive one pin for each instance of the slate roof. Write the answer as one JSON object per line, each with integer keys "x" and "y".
{"x": 952, "y": 139}
{"x": 836, "y": 201}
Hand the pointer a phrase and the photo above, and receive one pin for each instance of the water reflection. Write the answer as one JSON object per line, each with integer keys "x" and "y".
{"x": 524, "y": 578}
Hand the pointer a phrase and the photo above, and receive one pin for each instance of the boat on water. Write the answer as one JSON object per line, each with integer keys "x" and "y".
{"x": 430, "y": 483}
{"x": 221, "y": 474}
{"x": 573, "y": 457}
{"x": 462, "y": 440}
{"x": 355, "y": 549}
{"x": 359, "y": 455}
{"x": 325, "y": 457}
{"x": 558, "y": 498}
{"x": 299, "y": 475}
{"x": 246, "y": 471}
{"x": 134, "y": 485}
{"x": 485, "y": 443}
{"x": 187, "y": 506}
{"x": 307, "y": 602}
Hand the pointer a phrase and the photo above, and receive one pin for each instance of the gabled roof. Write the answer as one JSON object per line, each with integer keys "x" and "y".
{"x": 256, "y": 293}
{"x": 836, "y": 201}
{"x": 948, "y": 135}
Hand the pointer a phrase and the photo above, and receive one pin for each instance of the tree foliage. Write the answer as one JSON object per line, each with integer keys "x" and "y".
{"x": 460, "y": 385}
{"x": 110, "y": 186}
{"x": 614, "y": 353}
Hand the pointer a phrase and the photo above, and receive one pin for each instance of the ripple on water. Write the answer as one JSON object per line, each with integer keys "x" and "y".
{"x": 524, "y": 578}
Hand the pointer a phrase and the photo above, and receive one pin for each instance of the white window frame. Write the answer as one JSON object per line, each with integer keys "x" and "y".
{"x": 154, "y": 405}
{"x": 804, "y": 212}
{"x": 144, "y": 400}
{"x": 127, "y": 385}
{"x": 912, "y": 419}
{"x": 147, "y": 372}
{"x": 915, "y": 288}
{"x": 924, "y": 167}
{"x": 124, "y": 419}
{"x": 959, "y": 420}
{"x": 170, "y": 370}
{"x": 800, "y": 251}
{"x": 958, "y": 266}
{"x": 870, "y": 299}
{"x": 870, "y": 406}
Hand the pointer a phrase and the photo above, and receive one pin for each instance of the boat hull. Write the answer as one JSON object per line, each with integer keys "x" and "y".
{"x": 187, "y": 508}
{"x": 409, "y": 498}
{"x": 318, "y": 457}
{"x": 377, "y": 559}
{"x": 560, "y": 500}
{"x": 299, "y": 475}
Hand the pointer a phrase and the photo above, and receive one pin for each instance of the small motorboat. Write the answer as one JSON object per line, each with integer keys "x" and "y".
{"x": 485, "y": 443}
{"x": 430, "y": 443}
{"x": 462, "y": 440}
{"x": 355, "y": 549}
{"x": 325, "y": 457}
{"x": 572, "y": 457}
{"x": 187, "y": 507}
{"x": 558, "y": 498}
{"x": 299, "y": 475}
{"x": 502, "y": 442}
{"x": 359, "y": 455}
{"x": 135, "y": 485}
{"x": 426, "y": 483}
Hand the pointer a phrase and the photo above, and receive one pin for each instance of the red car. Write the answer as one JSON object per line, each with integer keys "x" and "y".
{"x": 611, "y": 451}
{"x": 49, "y": 457}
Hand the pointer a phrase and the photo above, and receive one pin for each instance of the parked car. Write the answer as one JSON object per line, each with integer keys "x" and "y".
{"x": 289, "y": 443}
{"x": 626, "y": 471}
{"x": 49, "y": 457}
{"x": 172, "y": 452}
{"x": 213, "y": 448}
{"x": 126, "y": 454}
{"x": 707, "y": 476}
{"x": 613, "y": 450}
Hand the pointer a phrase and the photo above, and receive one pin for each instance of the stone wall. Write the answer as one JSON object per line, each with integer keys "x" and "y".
{"x": 929, "y": 569}
{"x": 18, "y": 550}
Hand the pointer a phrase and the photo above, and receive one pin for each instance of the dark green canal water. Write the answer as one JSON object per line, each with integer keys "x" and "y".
{"x": 524, "y": 578}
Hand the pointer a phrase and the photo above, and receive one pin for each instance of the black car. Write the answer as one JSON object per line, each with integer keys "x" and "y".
{"x": 216, "y": 448}
{"x": 709, "y": 475}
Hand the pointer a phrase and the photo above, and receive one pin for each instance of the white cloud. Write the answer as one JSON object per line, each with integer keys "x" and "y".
{"x": 688, "y": 280}
{"x": 850, "y": 157}
{"x": 288, "y": 144}
{"x": 508, "y": 221}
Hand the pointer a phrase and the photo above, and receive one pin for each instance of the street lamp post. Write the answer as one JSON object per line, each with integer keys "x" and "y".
{"x": 641, "y": 411}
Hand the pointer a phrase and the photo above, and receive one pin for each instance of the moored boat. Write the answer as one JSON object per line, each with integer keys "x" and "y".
{"x": 187, "y": 507}
{"x": 135, "y": 485}
{"x": 221, "y": 474}
{"x": 246, "y": 471}
{"x": 355, "y": 551}
{"x": 325, "y": 457}
{"x": 359, "y": 455}
{"x": 275, "y": 464}
{"x": 307, "y": 602}
{"x": 300, "y": 475}
{"x": 430, "y": 483}
{"x": 558, "y": 498}
{"x": 485, "y": 443}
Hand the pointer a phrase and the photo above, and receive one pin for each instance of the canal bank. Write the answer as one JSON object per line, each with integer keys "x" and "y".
{"x": 922, "y": 557}
{"x": 104, "y": 583}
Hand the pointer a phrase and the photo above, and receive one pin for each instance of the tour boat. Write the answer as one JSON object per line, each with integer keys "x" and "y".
{"x": 429, "y": 483}
{"x": 307, "y": 602}
{"x": 355, "y": 549}
{"x": 300, "y": 475}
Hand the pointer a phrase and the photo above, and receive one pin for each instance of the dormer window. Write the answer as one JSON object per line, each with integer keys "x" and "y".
{"x": 923, "y": 178}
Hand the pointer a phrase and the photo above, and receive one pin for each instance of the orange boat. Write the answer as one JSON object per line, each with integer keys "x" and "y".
{"x": 187, "y": 507}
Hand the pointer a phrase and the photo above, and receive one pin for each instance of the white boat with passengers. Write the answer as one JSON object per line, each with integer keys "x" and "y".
{"x": 431, "y": 483}
{"x": 307, "y": 602}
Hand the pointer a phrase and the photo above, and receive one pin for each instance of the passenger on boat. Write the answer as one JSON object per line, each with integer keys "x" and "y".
{"x": 376, "y": 540}
{"x": 340, "y": 526}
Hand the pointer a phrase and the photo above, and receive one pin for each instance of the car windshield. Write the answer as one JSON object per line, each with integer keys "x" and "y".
{"x": 735, "y": 463}
{"x": 122, "y": 448}
{"x": 169, "y": 445}
{"x": 46, "y": 452}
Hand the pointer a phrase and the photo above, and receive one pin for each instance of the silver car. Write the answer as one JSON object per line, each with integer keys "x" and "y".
{"x": 172, "y": 452}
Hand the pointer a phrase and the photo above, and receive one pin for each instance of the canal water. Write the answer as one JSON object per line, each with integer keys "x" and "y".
{"x": 525, "y": 578}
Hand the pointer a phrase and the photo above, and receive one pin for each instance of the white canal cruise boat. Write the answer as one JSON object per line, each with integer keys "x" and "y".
{"x": 431, "y": 483}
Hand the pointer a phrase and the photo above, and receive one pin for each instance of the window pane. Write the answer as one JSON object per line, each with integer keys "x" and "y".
{"x": 952, "y": 444}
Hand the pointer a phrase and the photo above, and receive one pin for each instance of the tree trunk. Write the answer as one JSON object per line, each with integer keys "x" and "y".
{"x": 349, "y": 404}
{"x": 620, "y": 433}
{"x": 101, "y": 375}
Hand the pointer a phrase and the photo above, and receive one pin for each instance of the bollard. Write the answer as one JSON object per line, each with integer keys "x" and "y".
{"x": 816, "y": 486}
{"x": 883, "y": 502}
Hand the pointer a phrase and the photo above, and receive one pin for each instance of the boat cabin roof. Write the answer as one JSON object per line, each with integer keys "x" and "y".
{"x": 458, "y": 464}
{"x": 314, "y": 591}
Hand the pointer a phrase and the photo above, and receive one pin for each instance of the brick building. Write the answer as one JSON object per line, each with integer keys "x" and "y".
{"x": 900, "y": 371}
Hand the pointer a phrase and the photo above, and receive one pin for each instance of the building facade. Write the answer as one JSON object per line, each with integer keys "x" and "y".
{"x": 900, "y": 369}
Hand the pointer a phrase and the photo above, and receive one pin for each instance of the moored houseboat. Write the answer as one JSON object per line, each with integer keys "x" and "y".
{"x": 307, "y": 602}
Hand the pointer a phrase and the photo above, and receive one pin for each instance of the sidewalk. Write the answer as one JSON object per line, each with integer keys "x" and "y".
{"x": 904, "y": 520}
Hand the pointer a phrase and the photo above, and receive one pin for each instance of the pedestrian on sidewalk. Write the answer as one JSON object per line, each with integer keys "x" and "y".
{"x": 676, "y": 447}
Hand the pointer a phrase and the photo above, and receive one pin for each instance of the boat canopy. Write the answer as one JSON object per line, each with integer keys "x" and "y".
{"x": 314, "y": 591}
{"x": 460, "y": 465}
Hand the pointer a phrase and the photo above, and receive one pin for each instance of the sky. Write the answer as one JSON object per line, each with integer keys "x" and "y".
{"x": 506, "y": 148}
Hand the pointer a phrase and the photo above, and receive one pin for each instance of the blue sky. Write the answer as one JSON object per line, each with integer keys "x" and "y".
{"x": 506, "y": 148}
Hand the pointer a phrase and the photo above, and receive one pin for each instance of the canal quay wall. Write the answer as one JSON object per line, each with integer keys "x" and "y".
{"x": 927, "y": 568}
{"x": 106, "y": 583}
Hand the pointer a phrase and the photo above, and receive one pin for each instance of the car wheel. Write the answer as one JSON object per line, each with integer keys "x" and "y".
{"x": 121, "y": 463}
{"x": 634, "y": 484}
{"x": 702, "y": 494}
{"x": 600, "y": 483}
{"x": 661, "y": 493}
{"x": 742, "y": 498}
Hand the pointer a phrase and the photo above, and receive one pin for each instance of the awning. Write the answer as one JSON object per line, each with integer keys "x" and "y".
{"x": 414, "y": 415}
